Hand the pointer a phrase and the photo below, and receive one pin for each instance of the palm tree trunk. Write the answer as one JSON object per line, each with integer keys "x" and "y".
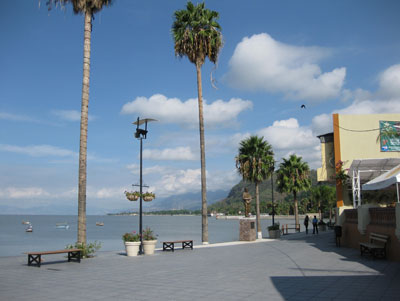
{"x": 296, "y": 208}
{"x": 319, "y": 210}
{"x": 259, "y": 231}
{"x": 204, "y": 221}
{"x": 84, "y": 129}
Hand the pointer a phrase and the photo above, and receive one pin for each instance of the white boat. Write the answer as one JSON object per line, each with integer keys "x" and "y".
{"x": 29, "y": 228}
{"x": 26, "y": 222}
{"x": 62, "y": 226}
{"x": 99, "y": 224}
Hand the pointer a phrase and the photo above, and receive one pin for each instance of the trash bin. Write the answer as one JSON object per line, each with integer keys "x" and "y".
{"x": 338, "y": 231}
{"x": 338, "y": 235}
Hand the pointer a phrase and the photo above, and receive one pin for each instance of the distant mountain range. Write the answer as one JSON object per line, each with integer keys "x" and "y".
{"x": 188, "y": 201}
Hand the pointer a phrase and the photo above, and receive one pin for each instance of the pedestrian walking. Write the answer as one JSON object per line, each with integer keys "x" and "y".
{"x": 306, "y": 220}
{"x": 315, "y": 224}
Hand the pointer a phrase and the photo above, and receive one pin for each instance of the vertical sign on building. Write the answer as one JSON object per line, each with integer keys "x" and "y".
{"x": 389, "y": 134}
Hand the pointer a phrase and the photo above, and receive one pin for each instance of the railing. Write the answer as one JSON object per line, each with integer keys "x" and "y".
{"x": 351, "y": 216}
{"x": 383, "y": 216}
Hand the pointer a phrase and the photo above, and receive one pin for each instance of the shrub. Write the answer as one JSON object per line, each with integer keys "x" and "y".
{"x": 87, "y": 250}
{"x": 131, "y": 236}
{"x": 274, "y": 227}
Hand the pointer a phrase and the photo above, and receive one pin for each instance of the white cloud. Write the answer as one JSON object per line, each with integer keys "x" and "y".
{"x": 262, "y": 63}
{"x": 173, "y": 110}
{"x": 389, "y": 82}
{"x": 24, "y": 192}
{"x": 70, "y": 115}
{"x": 178, "y": 153}
{"x": 38, "y": 150}
{"x": 385, "y": 101}
{"x": 169, "y": 181}
{"x": 15, "y": 117}
{"x": 322, "y": 124}
{"x": 287, "y": 134}
{"x": 156, "y": 169}
{"x": 288, "y": 137}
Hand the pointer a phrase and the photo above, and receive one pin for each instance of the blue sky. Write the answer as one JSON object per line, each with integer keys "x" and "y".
{"x": 333, "y": 56}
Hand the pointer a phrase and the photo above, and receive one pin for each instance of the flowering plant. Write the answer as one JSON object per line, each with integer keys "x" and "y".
{"x": 132, "y": 195}
{"x": 131, "y": 236}
{"x": 341, "y": 175}
{"x": 149, "y": 194}
{"x": 148, "y": 234}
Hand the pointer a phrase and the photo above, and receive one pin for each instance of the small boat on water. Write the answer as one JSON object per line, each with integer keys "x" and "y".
{"x": 29, "y": 228}
{"x": 62, "y": 226}
{"x": 99, "y": 224}
{"x": 26, "y": 222}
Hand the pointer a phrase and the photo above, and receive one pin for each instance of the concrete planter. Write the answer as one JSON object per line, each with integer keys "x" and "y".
{"x": 274, "y": 234}
{"x": 149, "y": 246}
{"x": 132, "y": 248}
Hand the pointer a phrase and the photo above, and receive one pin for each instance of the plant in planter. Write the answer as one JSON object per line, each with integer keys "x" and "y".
{"x": 149, "y": 241}
{"x": 148, "y": 196}
{"x": 132, "y": 195}
{"x": 274, "y": 231}
{"x": 132, "y": 243}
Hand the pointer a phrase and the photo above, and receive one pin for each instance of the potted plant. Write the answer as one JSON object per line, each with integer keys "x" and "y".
{"x": 148, "y": 196}
{"x": 132, "y": 243}
{"x": 149, "y": 241}
{"x": 132, "y": 195}
{"x": 322, "y": 225}
{"x": 274, "y": 231}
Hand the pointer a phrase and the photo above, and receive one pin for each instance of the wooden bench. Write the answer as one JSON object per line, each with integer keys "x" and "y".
{"x": 290, "y": 227}
{"x": 36, "y": 257}
{"x": 170, "y": 245}
{"x": 376, "y": 245}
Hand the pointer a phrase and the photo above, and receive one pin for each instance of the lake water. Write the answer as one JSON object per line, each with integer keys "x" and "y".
{"x": 45, "y": 236}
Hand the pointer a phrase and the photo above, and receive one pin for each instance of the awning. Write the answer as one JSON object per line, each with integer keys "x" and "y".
{"x": 369, "y": 169}
{"x": 384, "y": 180}
{"x": 364, "y": 170}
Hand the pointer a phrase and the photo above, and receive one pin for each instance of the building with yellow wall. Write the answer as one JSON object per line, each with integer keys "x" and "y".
{"x": 357, "y": 139}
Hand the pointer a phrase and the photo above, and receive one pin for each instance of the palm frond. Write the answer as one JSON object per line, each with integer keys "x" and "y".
{"x": 197, "y": 34}
{"x": 80, "y": 6}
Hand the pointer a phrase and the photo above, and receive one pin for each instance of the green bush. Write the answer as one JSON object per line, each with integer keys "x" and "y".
{"x": 274, "y": 227}
{"x": 131, "y": 236}
{"x": 87, "y": 250}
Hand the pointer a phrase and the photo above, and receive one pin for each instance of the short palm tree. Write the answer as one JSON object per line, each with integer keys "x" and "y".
{"x": 197, "y": 35}
{"x": 325, "y": 196}
{"x": 89, "y": 8}
{"x": 254, "y": 163}
{"x": 293, "y": 177}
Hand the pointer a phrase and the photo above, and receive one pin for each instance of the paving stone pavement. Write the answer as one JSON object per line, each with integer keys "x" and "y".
{"x": 296, "y": 267}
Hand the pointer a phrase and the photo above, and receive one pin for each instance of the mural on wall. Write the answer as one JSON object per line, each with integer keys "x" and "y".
{"x": 389, "y": 134}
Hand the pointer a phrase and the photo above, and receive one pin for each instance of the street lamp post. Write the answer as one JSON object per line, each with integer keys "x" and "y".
{"x": 272, "y": 190}
{"x": 141, "y": 134}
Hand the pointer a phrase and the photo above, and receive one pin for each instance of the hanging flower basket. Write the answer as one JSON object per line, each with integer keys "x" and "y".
{"x": 148, "y": 196}
{"x": 132, "y": 196}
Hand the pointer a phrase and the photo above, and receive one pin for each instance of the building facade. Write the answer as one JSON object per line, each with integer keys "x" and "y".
{"x": 358, "y": 144}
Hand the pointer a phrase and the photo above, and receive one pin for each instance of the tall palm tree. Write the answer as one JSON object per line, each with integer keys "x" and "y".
{"x": 254, "y": 163}
{"x": 89, "y": 8}
{"x": 293, "y": 177}
{"x": 197, "y": 35}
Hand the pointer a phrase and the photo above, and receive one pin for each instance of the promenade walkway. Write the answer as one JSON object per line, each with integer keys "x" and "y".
{"x": 297, "y": 267}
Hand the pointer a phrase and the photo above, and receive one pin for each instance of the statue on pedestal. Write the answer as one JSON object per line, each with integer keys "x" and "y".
{"x": 246, "y": 202}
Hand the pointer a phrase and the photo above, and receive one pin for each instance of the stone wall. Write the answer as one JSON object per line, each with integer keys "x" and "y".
{"x": 360, "y": 222}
